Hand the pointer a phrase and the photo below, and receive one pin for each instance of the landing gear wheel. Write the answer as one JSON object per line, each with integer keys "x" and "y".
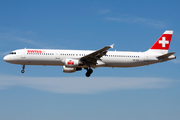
{"x": 22, "y": 71}
{"x": 89, "y": 72}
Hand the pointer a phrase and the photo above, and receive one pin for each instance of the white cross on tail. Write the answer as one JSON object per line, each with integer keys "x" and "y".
{"x": 163, "y": 42}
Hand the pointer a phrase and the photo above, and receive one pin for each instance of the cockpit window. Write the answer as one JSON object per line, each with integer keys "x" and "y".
{"x": 13, "y": 53}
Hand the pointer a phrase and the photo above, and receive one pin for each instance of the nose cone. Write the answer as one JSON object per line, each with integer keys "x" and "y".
{"x": 7, "y": 58}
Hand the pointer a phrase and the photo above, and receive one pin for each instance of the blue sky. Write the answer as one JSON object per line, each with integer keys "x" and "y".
{"x": 45, "y": 92}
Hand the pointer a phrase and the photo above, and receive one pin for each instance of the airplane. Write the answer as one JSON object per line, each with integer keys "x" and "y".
{"x": 75, "y": 60}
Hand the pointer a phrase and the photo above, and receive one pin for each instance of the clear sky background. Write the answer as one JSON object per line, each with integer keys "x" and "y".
{"x": 46, "y": 93}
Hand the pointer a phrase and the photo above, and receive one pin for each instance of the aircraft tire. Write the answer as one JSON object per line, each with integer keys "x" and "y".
{"x": 88, "y": 74}
{"x": 22, "y": 71}
{"x": 90, "y": 71}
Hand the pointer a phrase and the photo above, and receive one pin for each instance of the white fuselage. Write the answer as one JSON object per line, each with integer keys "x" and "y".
{"x": 75, "y": 60}
{"x": 57, "y": 57}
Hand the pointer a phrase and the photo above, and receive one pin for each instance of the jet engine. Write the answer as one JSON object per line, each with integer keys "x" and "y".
{"x": 71, "y": 69}
{"x": 71, "y": 63}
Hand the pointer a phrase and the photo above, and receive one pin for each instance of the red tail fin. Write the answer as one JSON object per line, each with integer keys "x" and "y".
{"x": 163, "y": 43}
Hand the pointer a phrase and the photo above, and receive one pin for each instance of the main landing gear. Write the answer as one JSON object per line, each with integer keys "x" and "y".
{"x": 89, "y": 72}
{"x": 22, "y": 71}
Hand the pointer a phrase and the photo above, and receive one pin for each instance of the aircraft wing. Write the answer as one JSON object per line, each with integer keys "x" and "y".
{"x": 93, "y": 57}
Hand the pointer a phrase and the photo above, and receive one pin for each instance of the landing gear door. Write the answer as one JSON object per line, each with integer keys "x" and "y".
{"x": 23, "y": 53}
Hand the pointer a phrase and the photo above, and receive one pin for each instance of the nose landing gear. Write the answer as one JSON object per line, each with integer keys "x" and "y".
{"x": 89, "y": 72}
{"x": 22, "y": 71}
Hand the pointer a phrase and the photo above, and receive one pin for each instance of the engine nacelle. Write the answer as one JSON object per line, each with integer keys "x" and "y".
{"x": 71, "y": 63}
{"x": 71, "y": 70}
{"x": 68, "y": 69}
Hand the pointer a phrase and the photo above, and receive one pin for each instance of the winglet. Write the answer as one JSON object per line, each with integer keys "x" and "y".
{"x": 112, "y": 45}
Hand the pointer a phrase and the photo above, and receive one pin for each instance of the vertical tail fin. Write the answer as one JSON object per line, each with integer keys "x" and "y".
{"x": 163, "y": 43}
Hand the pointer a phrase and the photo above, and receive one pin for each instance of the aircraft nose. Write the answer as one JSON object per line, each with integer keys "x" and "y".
{"x": 6, "y": 58}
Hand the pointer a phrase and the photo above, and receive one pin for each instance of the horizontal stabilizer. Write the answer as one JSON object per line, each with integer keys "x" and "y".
{"x": 165, "y": 55}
